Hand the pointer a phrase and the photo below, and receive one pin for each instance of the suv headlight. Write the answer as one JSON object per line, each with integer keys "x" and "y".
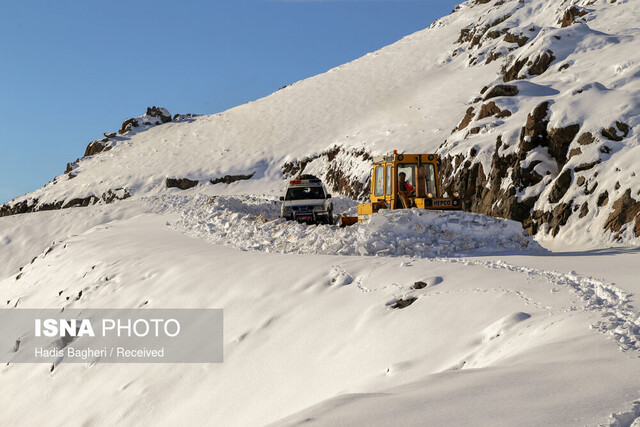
{"x": 318, "y": 208}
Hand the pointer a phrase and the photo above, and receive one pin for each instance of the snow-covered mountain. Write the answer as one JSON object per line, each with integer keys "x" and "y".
{"x": 413, "y": 318}
{"x": 533, "y": 106}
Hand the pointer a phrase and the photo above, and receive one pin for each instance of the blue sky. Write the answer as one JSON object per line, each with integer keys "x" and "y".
{"x": 70, "y": 70}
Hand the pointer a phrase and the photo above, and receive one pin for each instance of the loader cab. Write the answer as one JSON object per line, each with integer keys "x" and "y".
{"x": 403, "y": 181}
{"x": 398, "y": 180}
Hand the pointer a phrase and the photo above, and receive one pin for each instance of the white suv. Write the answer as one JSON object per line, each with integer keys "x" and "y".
{"x": 307, "y": 200}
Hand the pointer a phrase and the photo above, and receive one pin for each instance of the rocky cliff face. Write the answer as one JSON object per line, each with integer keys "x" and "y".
{"x": 565, "y": 164}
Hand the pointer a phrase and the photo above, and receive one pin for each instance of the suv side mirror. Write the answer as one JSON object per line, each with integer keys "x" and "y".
{"x": 328, "y": 196}
{"x": 282, "y": 198}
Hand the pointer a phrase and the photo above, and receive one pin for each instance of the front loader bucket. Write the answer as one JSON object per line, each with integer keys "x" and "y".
{"x": 346, "y": 221}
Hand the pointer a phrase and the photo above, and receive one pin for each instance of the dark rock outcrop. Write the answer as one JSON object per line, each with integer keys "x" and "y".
{"x": 184, "y": 117}
{"x": 555, "y": 219}
{"x": 486, "y": 193}
{"x": 511, "y": 72}
{"x": 71, "y": 166}
{"x": 419, "y": 285}
{"x": 625, "y": 210}
{"x": 488, "y": 109}
{"x": 541, "y": 63}
{"x": 80, "y": 202}
{"x": 534, "y": 133}
{"x": 501, "y": 90}
{"x": 585, "y": 166}
{"x": 402, "y": 303}
{"x": 574, "y": 152}
{"x": 570, "y": 15}
{"x": 514, "y": 38}
{"x": 17, "y": 208}
{"x": 502, "y": 114}
{"x": 465, "y": 120}
{"x": 603, "y": 199}
{"x": 161, "y": 113}
{"x": 498, "y": 191}
{"x": 560, "y": 139}
{"x": 127, "y": 125}
{"x": 586, "y": 138}
{"x": 584, "y": 210}
{"x": 113, "y": 195}
{"x": 181, "y": 183}
{"x": 612, "y": 133}
{"x": 96, "y": 147}
{"x": 560, "y": 186}
{"x": 228, "y": 179}
{"x": 33, "y": 205}
{"x": 493, "y": 55}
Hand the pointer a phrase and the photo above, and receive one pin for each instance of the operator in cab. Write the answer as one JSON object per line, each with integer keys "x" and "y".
{"x": 403, "y": 185}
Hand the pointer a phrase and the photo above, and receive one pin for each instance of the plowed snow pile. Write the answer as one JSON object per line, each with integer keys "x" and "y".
{"x": 252, "y": 223}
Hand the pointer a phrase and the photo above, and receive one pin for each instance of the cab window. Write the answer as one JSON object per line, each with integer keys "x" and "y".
{"x": 431, "y": 179}
{"x": 406, "y": 171}
{"x": 378, "y": 189}
{"x": 389, "y": 180}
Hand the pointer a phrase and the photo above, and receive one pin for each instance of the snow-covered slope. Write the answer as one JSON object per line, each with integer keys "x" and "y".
{"x": 329, "y": 339}
{"x": 414, "y": 318}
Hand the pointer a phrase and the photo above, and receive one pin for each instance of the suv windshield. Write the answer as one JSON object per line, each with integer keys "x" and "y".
{"x": 304, "y": 193}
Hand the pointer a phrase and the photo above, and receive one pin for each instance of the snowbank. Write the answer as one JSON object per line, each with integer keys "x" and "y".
{"x": 252, "y": 223}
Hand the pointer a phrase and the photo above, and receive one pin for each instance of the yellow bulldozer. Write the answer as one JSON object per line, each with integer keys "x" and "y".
{"x": 404, "y": 181}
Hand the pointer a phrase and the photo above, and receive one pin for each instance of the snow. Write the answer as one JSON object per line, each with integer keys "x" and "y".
{"x": 497, "y": 332}
{"x": 412, "y": 318}
{"x": 254, "y": 224}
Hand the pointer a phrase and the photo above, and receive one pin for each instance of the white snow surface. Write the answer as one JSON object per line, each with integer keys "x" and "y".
{"x": 500, "y": 335}
{"x": 497, "y": 330}
{"x": 250, "y": 223}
